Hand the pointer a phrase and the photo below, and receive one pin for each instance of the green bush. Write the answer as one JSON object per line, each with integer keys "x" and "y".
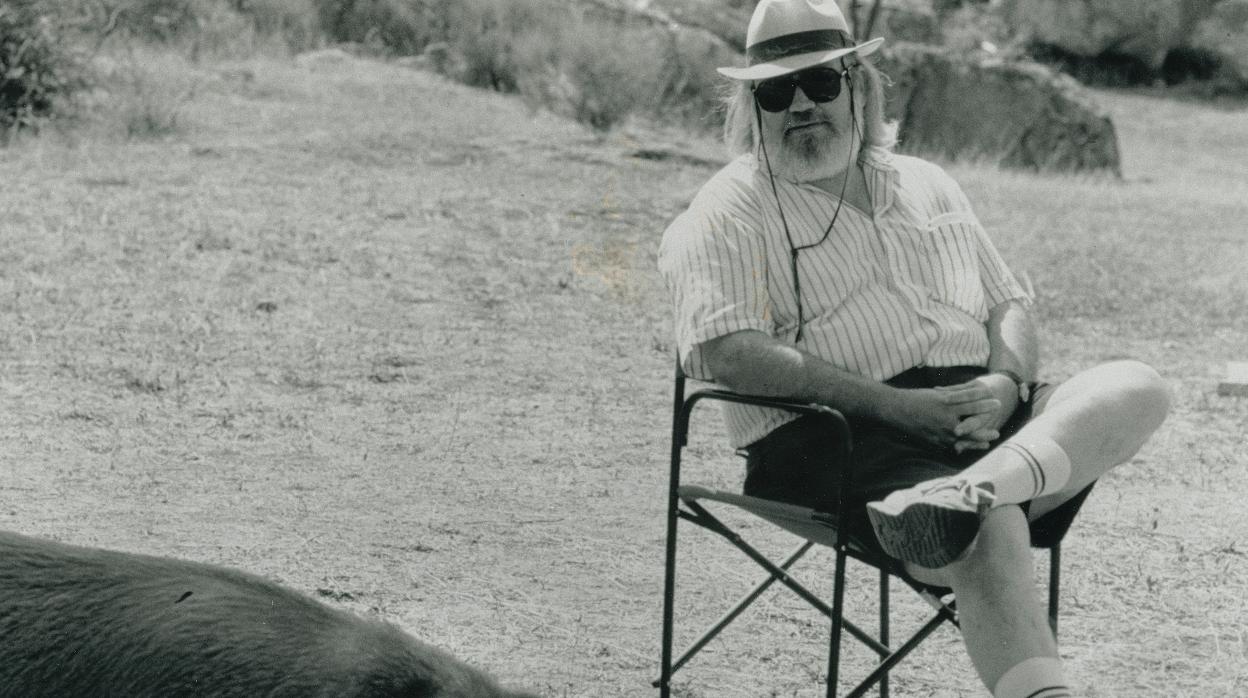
{"x": 591, "y": 69}
{"x": 584, "y": 66}
{"x": 399, "y": 27}
{"x": 595, "y": 73}
{"x": 489, "y": 37}
{"x": 295, "y": 22}
{"x": 688, "y": 89}
{"x": 161, "y": 20}
{"x": 200, "y": 27}
{"x": 40, "y": 72}
{"x": 148, "y": 93}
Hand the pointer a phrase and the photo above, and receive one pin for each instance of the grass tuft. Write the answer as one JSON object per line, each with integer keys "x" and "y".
{"x": 148, "y": 94}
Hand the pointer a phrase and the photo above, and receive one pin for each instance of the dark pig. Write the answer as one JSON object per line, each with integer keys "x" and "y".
{"x": 86, "y": 622}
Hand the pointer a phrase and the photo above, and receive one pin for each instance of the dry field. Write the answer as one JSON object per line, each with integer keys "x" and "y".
{"x": 400, "y": 345}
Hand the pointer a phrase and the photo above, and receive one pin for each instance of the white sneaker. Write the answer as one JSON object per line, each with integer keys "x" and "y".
{"x": 933, "y": 523}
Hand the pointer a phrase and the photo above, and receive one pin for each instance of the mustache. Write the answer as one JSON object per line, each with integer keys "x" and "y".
{"x": 796, "y": 120}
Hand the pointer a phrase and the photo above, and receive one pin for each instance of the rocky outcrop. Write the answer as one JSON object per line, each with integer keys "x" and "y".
{"x": 1017, "y": 114}
{"x": 1224, "y": 35}
{"x": 1146, "y": 31}
{"x": 896, "y": 20}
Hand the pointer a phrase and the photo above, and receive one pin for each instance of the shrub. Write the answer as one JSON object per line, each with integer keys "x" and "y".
{"x": 498, "y": 42}
{"x": 150, "y": 90}
{"x": 392, "y": 26}
{"x": 40, "y": 72}
{"x": 614, "y": 72}
{"x": 622, "y": 69}
{"x": 219, "y": 30}
{"x": 967, "y": 27}
{"x": 201, "y": 27}
{"x": 591, "y": 69}
{"x": 295, "y": 22}
{"x": 161, "y": 20}
{"x": 688, "y": 89}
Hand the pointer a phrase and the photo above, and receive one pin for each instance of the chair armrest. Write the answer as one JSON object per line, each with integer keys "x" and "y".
{"x": 835, "y": 419}
{"x": 762, "y": 401}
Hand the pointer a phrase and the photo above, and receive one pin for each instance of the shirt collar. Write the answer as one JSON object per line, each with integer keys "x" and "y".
{"x": 881, "y": 173}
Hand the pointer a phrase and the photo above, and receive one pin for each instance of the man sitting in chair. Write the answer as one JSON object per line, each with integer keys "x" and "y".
{"x": 820, "y": 266}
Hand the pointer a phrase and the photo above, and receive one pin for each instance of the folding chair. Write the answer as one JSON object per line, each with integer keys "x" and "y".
{"x": 687, "y": 502}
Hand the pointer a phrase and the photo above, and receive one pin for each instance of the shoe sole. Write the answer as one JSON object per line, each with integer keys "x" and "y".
{"x": 923, "y": 534}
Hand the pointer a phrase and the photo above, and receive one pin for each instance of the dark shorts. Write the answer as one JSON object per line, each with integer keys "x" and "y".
{"x": 791, "y": 464}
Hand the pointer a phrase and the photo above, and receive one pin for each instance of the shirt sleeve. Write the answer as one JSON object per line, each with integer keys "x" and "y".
{"x": 715, "y": 270}
{"x": 1000, "y": 284}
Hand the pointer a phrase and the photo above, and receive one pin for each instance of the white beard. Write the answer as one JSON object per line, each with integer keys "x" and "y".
{"x": 810, "y": 154}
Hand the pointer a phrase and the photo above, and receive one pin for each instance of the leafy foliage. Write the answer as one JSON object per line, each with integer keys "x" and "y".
{"x": 402, "y": 27}
{"x": 38, "y": 71}
{"x": 593, "y": 70}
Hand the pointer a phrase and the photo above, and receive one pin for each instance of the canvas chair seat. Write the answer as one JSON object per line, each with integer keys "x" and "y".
{"x": 809, "y": 524}
{"x": 800, "y": 521}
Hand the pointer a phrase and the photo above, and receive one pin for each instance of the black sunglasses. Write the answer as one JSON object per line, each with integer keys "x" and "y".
{"x": 820, "y": 84}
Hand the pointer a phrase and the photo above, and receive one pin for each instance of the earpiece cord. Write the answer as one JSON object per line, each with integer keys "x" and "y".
{"x": 793, "y": 249}
{"x": 797, "y": 286}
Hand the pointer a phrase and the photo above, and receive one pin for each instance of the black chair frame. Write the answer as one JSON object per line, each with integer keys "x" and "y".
{"x": 683, "y": 503}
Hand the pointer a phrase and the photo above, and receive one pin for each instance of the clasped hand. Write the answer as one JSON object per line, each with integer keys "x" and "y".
{"x": 966, "y": 416}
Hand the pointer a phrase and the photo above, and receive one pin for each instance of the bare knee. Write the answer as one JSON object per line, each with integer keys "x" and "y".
{"x": 1119, "y": 404}
{"x": 1143, "y": 391}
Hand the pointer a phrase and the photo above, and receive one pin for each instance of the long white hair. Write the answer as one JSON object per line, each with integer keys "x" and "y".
{"x": 740, "y": 136}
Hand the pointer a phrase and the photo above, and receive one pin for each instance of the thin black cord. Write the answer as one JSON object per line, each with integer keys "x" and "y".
{"x": 794, "y": 250}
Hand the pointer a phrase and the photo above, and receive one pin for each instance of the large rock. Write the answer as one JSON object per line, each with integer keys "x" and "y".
{"x": 1224, "y": 35}
{"x": 1143, "y": 29}
{"x": 896, "y": 20}
{"x": 1017, "y": 114}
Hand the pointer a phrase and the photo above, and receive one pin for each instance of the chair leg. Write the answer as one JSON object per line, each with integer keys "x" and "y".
{"x": 732, "y": 614}
{"x": 838, "y": 608}
{"x": 899, "y": 654}
{"x": 669, "y": 580}
{"x": 669, "y": 571}
{"x": 1055, "y": 573}
{"x": 884, "y": 626}
{"x": 669, "y": 588}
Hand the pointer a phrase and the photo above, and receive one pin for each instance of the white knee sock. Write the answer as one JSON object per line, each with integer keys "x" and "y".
{"x": 1038, "y": 677}
{"x": 1022, "y": 468}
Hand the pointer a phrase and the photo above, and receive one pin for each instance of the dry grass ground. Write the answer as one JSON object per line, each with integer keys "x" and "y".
{"x": 401, "y": 344}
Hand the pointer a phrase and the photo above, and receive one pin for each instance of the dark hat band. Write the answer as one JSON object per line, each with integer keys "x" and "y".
{"x": 797, "y": 44}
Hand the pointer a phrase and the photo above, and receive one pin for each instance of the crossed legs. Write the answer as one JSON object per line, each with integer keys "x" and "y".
{"x": 1099, "y": 418}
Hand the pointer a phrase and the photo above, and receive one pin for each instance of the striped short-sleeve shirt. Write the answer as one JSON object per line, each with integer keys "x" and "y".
{"x": 907, "y": 284}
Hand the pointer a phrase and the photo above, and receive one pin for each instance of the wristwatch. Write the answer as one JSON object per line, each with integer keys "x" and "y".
{"x": 1024, "y": 388}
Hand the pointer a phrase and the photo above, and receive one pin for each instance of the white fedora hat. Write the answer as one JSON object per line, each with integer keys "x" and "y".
{"x": 786, "y": 36}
